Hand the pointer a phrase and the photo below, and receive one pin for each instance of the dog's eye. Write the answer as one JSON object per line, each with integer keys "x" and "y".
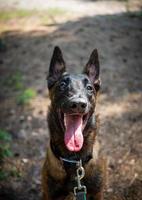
{"x": 62, "y": 85}
{"x": 89, "y": 87}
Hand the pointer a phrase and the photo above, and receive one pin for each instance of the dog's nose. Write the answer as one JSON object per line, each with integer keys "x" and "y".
{"x": 78, "y": 105}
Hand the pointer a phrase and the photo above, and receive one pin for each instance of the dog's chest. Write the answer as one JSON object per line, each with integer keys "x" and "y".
{"x": 69, "y": 181}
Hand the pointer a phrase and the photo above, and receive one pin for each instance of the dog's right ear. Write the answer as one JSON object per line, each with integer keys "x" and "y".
{"x": 57, "y": 67}
{"x": 92, "y": 69}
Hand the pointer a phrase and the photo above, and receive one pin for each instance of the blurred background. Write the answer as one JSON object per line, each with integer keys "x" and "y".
{"x": 29, "y": 30}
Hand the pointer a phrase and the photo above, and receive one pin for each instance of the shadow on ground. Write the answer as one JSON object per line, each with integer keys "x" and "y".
{"x": 118, "y": 39}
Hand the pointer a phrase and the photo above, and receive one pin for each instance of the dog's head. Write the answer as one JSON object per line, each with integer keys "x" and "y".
{"x": 73, "y": 96}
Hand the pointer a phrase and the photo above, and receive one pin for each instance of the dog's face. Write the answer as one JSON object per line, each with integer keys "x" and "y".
{"x": 73, "y": 96}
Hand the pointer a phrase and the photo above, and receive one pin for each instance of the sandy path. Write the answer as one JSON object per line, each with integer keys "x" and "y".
{"x": 80, "y": 7}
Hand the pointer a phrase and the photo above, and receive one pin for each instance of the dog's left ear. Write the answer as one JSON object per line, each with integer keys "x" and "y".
{"x": 92, "y": 69}
{"x": 56, "y": 68}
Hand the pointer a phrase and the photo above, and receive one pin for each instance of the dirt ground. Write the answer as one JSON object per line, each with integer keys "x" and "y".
{"x": 26, "y": 46}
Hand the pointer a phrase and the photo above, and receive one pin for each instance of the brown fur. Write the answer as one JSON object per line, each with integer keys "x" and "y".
{"x": 54, "y": 168}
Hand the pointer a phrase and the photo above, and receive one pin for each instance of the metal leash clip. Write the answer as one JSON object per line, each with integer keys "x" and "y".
{"x": 80, "y": 174}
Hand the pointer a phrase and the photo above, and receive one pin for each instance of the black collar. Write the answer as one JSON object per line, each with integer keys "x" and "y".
{"x": 71, "y": 160}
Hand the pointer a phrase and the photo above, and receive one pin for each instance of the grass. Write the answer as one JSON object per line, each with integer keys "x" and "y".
{"x": 2, "y": 45}
{"x": 14, "y": 81}
{"x": 26, "y": 96}
{"x": 6, "y": 15}
{"x": 4, "y": 135}
{"x": 135, "y": 14}
{"x": 13, "y": 172}
{"x": 3, "y": 175}
{"x": 13, "y": 14}
{"x": 5, "y": 150}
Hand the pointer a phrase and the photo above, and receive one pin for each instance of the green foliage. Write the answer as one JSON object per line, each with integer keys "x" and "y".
{"x": 3, "y": 175}
{"x": 13, "y": 14}
{"x": 12, "y": 81}
{"x": 15, "y": 173}
{"x": 2, "y": 45}
{"x": 135, "y": 14}
{"x": 4, "y": 135}
{"x": 26, "y": 96}
{"x": 15, "y": 81}
{"x": 7, "y": 15}
{"x": 5, "y": 150}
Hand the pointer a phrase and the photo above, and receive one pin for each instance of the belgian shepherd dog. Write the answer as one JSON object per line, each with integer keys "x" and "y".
{"x": 73, "y": 131}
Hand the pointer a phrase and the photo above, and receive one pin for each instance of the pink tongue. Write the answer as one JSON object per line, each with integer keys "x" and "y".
{"x": 73, "y": 135}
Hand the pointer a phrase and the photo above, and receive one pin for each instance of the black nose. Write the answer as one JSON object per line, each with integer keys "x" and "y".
{"x": 78, "y": 105}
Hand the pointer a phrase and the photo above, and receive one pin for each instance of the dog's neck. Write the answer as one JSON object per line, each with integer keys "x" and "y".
{"x": 71, "y": 159}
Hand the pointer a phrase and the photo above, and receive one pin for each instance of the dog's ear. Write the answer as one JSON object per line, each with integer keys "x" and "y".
{"x": 92, "y": 69}
{"x": 56, "y": 68}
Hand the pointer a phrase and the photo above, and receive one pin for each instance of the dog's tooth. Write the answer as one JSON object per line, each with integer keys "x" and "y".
{"x": 65, "y": 123}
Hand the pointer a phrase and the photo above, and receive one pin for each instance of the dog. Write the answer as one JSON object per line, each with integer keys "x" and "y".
{"x": 73, "y": 130}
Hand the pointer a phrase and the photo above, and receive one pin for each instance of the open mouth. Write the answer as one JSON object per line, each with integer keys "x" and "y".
{"x": 73, "y": 125}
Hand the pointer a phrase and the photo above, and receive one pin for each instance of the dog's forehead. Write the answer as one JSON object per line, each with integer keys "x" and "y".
{"x": 76, "y": 78}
